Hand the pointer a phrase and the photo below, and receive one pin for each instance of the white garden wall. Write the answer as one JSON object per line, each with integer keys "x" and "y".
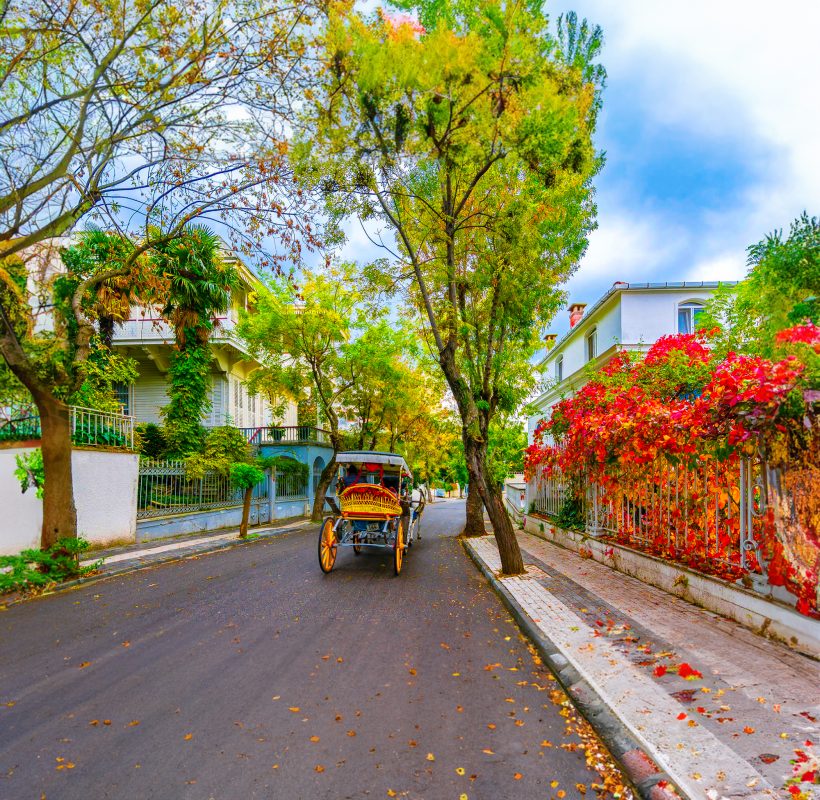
{"x": 105, "y": 493}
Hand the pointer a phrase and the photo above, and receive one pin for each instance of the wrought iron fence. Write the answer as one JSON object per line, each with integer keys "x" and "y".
{"x": 291, "y": 486}
{"x": 89, "y": 427}
{"x": 710, "y": 517}
{"x": 165, "y": 489}
{"x": 101, "y": 428}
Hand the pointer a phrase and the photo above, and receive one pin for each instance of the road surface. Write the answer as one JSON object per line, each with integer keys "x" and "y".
{"x": 248, "y": 673}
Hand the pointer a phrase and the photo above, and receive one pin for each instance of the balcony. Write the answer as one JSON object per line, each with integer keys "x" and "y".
{"x": 89, "y": 428}
{"x": 286, "y": 434}
{"x": 156, "y": 331}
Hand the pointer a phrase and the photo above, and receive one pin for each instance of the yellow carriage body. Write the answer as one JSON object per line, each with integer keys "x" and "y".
{"x": 369, "y": 501}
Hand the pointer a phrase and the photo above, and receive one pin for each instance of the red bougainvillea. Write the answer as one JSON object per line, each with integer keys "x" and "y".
{"x": 662, "y": 438}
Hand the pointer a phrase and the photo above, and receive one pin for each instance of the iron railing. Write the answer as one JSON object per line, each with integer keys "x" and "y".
{"x": 710, "y": 517}
{"x": 165, "y": 489}
{"x": 291, "y": 487}
{"x": 101, "y": 428}
{"x": 286, "y": 434}
{"x": 89, "y": 428}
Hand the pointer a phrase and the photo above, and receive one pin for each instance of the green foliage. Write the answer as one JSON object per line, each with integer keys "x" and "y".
{"x": 38, "y": 568}
{"x": 189, "y": 382}
{"x": 30, "y": 471}
{"x": 150, "y": 440}
{"x": 245, "y": 476}
{"x": 222, "y": 447}
{"x": 505, "y": 451}
{"x": 282, "y": 465}
{"x": 571, "y": 514}
{"x": 781, "y": 289}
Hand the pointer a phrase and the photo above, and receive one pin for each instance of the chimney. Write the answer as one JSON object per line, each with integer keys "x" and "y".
{"x": 550, "y": 338}
{"x": 576, "y": 311}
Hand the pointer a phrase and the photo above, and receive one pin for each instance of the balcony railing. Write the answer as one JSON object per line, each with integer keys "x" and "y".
{"x": 155, "y": 330}
{"x": 89, "y": 428}
{"x": 286, "y": 434}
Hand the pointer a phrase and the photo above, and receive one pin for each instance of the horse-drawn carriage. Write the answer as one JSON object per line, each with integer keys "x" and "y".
{"x": 376, "y": 507}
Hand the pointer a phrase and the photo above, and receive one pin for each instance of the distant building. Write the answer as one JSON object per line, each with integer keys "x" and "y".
{"x": 630, "y": 316}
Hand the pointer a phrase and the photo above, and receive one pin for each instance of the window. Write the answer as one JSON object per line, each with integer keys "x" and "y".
{"x": 688, "y": 314}
{"x": 559, "y": 368}
{"x": 592, "y": 344}
{"x": 122, "y": 394}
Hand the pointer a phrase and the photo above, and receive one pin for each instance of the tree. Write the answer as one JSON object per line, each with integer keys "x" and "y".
{"x": 781, "y": 289}
{"x": 470, "y": 140}
{"x": 139, "y": 117}
{"x": 303, "y": 342}
{"x": 246, "y": 477}
{"x": 199, "y": 283}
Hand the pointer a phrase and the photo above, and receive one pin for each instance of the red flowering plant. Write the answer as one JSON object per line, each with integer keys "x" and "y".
{"x": 660, "y": 439}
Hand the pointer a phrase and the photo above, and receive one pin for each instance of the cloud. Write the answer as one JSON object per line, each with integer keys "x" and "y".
{"x": 727, "y": 93}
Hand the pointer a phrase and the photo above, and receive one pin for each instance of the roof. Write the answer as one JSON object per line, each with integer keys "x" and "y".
{"x": 373, "y": 457}
{"x": 623, "y": 286}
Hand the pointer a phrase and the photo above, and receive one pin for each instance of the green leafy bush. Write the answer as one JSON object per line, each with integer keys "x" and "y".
{"x": 223, "y": 446}
{"x": 246, "y": 476}
{"x": 151, "y": 440}
{"x": 38, "y": 568}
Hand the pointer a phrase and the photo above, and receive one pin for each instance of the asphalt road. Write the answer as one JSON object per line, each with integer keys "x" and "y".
{"x": 249, "y": 674}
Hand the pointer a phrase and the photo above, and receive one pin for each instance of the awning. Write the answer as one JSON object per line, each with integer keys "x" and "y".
{"x": 372, "y": 457}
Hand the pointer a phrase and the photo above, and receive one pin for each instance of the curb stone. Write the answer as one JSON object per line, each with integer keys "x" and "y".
{"x": 647, "y": 779}
{"x": 17, "y": 598}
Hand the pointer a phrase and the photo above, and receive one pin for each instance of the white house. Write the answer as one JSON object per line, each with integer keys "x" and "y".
{"x": 148, "y": 340}
{"x": 630, "y": 316}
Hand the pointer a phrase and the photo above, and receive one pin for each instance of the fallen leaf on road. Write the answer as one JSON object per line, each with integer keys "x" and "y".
{"x": 488, "y": 751}
{"x": 517, "y": 776}
{"x": 660, "y": 671}
{"x": 681, "y": 715}
{"x": 431, "y": 757}
{"x": 106, "y": 722}
{"x": 412, "y": 671}
{"x": 391, "y": 793}
{"x": 85, "y": 664}
{"x": 314, "y": 739}
{"x": 133, "y": 723}
{"x": 456, "y": 674}
{"x": 748, "y": 729}
{"x": 554, "y": 784}
{"x": 491, "y": 726}
{"x": 188, "y": 737}
{"x": 546, "y": 743}
{"x": 339, "y": 660}
{"x": 459, "y": 709}
{"x": 276, "y": 697}
{"x": 94, "y": 722}
{"x": 319, "y": 768}
{"x": 294, "y": 709}
{"x": 460, "y": 770}
{"x": 687, "y": 673}
{"x": 351, "y": 733}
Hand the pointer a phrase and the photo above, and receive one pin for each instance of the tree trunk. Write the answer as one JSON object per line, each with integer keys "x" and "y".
{"x": 475, "y": 511}
{"x": 512, "y": 562}
{"x": 246, "y": 513}
{"x": 321, "y": 489}
{"x": 59, "y": 511}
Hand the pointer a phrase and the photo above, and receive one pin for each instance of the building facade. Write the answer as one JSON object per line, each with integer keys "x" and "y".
{"x": 630, "y": 316}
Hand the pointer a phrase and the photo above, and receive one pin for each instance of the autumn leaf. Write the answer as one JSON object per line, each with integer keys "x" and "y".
{"x": 748, "y": 729}
{"x": 314, "y": 739}
{"x": 318, "y": 768}
{"x": 294, "y": 709}
{"x": 460, "y": 770}
{"x": 517, "y": 776}
{"x": 188, "y": 737}
{"x": 689, "y": 674}
{"x": 133, "y": 723}
{"x": 554, "y": 784}
{"x": 85, "y": 664}
{"x": 351, "y": 733}
{"x": 488, "y": 752}
{"x": 391, "y": 793}
{"x": 431, "y": 757}
{"x": 660, "y": 671}
{"x": 681, "y": 715}
{"x": 491, "y": 726}
{"x": 412, "y": 671}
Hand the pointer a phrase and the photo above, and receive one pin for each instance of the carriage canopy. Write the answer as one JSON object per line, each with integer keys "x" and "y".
{"x": 371, "y": 457}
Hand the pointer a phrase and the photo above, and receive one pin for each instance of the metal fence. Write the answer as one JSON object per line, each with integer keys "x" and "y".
{"x": 89, "y": 428}
{"x": 101, "y": 428}
{"x": 164, "y": 489}
{"x": 274, "y": 434}
{"x": 291, "y": 487}
{"x": 712, "y": 516}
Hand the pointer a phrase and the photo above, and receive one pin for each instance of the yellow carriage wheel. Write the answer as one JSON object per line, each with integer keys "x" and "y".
{"x": 357, "y": 544}
{"x": 398, "y": 548}
{"x": 327, "y": 545}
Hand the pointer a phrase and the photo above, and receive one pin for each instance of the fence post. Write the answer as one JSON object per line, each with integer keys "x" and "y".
{"x": 593, "y": 518}
{"x": 272, "y": 495}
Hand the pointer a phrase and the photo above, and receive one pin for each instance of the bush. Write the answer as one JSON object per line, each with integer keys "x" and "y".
{"x": 151, "y": 440}
{"x": 38, "y": 568}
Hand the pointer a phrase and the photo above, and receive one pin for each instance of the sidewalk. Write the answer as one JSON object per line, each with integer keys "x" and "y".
{"x": 721, "y": 711}
{"x": 123, "y": 559}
